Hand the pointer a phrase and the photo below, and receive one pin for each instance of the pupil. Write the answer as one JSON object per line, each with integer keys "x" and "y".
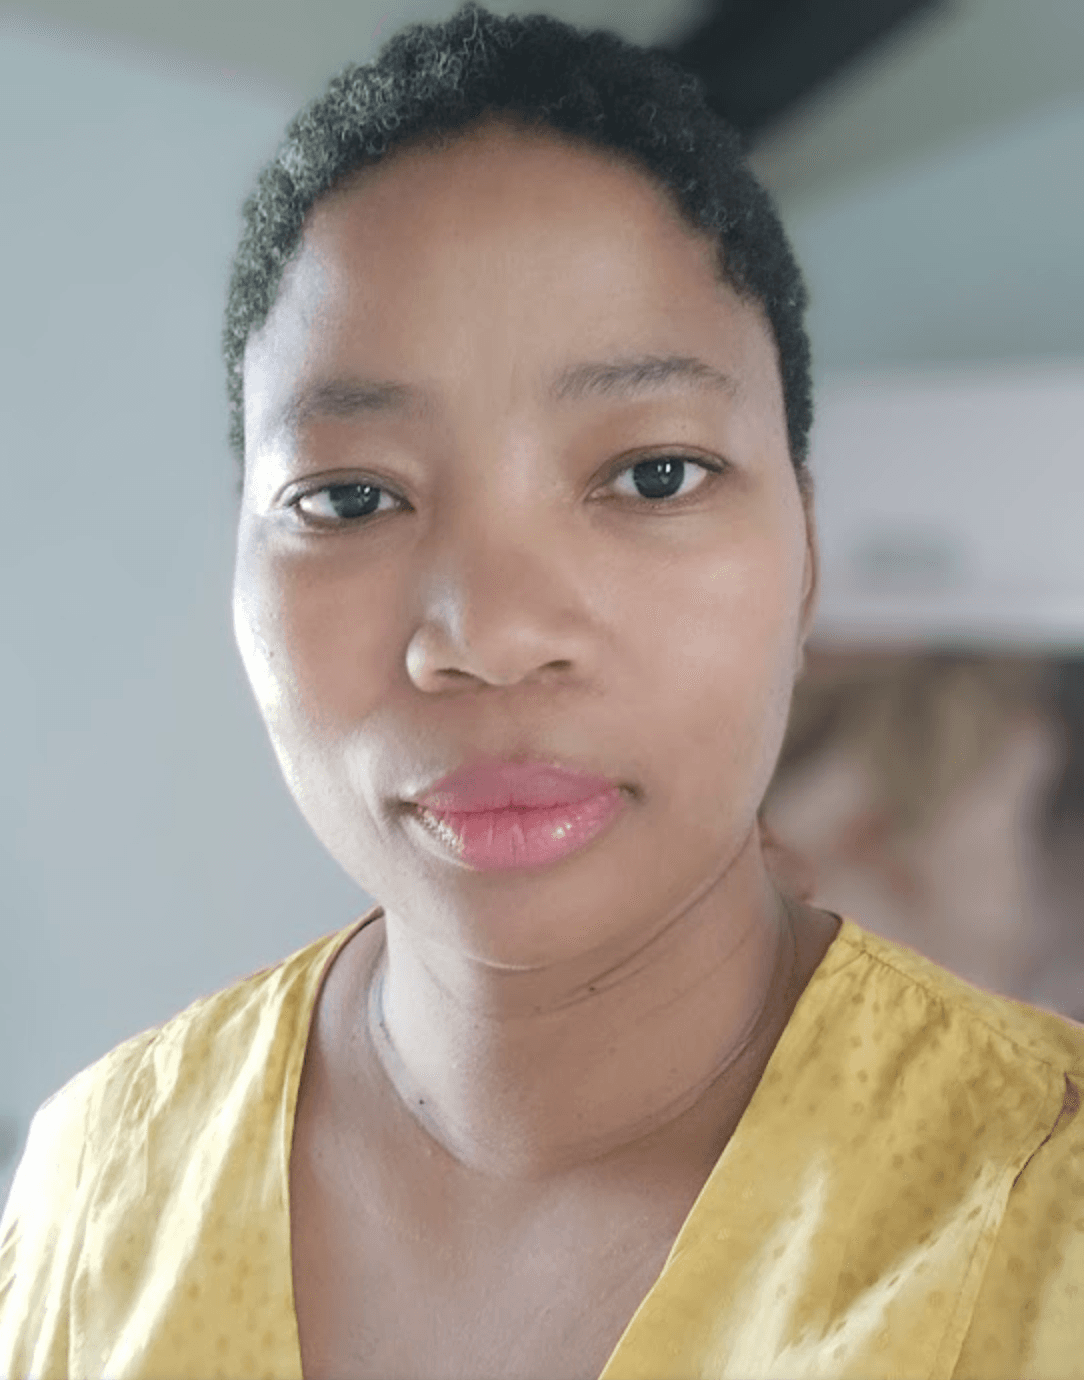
{"x": 353, "y": 500}
{"x": 658, "y": 478}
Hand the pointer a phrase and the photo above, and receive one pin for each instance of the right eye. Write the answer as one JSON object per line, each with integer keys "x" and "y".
{"x": 335, "y": 504}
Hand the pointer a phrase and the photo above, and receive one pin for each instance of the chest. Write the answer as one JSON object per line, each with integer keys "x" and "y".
{"x": 384, "y": 1295}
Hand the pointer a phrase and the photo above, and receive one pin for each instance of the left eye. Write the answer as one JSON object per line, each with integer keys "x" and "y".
{"x": 343, "y": 502}
{"x": 662, "y": 477}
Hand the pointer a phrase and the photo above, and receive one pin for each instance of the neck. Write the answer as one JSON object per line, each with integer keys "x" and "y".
{"x": 530, "y": 1075}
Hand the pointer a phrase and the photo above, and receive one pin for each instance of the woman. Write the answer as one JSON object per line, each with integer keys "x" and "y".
{"x": 526, "y": 562}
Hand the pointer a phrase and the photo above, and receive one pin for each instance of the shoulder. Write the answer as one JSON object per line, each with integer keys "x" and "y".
{"x": 205, "y": 1045}
{"x": 137, "y": 1112}
{"x": 1022, "y": 1069}
{"x": 927, "y": 997}
{"x": 953, "y": 1118}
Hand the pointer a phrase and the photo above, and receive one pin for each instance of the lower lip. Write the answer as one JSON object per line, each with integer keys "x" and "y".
{"x": 500, "y": 840}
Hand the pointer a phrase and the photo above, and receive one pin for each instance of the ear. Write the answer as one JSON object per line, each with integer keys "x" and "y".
{"x": 812, "y": 577}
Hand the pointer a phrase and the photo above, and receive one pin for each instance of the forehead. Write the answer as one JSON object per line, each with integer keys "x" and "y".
{"x": 504, "y": 254}
{"x": 503, "y": 177}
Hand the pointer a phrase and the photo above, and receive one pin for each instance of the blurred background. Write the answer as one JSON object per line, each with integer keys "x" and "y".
{"x": 927, "y": 160}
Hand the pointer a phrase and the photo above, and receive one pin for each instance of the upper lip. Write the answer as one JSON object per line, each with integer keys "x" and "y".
{"x": 499, "y": 785}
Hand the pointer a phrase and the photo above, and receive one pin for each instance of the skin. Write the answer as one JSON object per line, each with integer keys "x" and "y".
{"x": 556, "y": 1037}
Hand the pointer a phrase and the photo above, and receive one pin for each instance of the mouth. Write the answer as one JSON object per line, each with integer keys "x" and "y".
{"x": 498, "y": 816}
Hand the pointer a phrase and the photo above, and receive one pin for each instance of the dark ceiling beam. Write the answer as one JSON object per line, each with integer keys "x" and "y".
{"x": 760, "y": 58}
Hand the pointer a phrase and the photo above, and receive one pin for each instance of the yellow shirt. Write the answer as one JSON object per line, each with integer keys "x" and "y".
{"x": 903, "y": 1197}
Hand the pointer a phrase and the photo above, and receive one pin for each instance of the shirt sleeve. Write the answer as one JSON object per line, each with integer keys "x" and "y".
{"x": 44, "y": 1223}
{"x": 37, "y": 1240}
{"x": 1029, "y": 1317}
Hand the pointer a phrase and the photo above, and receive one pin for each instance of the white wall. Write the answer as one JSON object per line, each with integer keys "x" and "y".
{"x": 149, "y": 851}
{"x": 975, "y": 252}
{"x": 947, "y": 321}
{"x": 950, "y": 505}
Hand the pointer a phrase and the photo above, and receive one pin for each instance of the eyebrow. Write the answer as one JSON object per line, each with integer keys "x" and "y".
{"x": 592, "y": 378}
{"x": 638, "y": 374}
{"x": 349, "y": 398}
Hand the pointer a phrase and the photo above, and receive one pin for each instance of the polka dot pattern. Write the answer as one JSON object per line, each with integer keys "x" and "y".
{"x": 898, "y": 1159}
{"x": 147, "y": 1233}
{"x": 903, "y": 1197}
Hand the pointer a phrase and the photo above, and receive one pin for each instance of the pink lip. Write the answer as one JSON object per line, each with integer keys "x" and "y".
{"x": 500, "y": 815}
{"x": 515, "y": 785}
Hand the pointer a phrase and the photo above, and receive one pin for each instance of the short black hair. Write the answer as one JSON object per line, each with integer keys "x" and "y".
{"x": 432, "y": 80}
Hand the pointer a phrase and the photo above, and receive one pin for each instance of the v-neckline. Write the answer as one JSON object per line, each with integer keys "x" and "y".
{"x": 803, "y": 1012}
{"x": 791, "y": 1039}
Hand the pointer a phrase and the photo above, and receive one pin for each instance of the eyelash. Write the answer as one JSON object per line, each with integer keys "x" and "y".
{"x": 707, "y": 467}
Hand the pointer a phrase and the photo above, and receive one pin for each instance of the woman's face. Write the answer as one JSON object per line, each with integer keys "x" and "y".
{"x": 491, "y": 336}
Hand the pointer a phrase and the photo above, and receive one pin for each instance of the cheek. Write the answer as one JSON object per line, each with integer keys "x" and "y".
{"x": 315, "y": 646}
{"x": 316, "y": 637}
{"x": 717, "y": 641}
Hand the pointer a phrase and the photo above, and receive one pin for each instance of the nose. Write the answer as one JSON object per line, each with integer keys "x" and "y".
{"x": 498, "y": 610}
